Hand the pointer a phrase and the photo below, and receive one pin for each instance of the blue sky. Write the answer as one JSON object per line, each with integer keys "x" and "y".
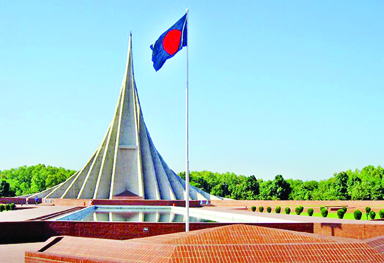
{"x": 276, "y": 87}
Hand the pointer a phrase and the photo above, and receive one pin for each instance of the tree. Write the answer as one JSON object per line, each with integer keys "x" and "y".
{"x": 341, "y": 185}
{"x": 283, "y": 189}
{"x": 4, "y": 189}
{"x": 247, "y": 188}
{"x": 221, "y": 189}
{"x": 302, "y": 190}
{"x": 278, "y": 189}
{"x": 365, "y": 184}
{"x": 27, "y": 180}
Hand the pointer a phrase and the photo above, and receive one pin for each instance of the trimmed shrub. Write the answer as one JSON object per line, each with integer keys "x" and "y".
{"x": 2, "y": 208}
{"x": 324, "y": 212}
{"x": 299, "y": 210}
{"x": 357, "y": 214}
{"x": 321, "y": 208}
{"x": 340, "y": 213}
{"x": 7, "y": 207}
{"x": 310, "y": 211}
{"x": 253, "y": 208}
{"x": 261, "y": 209}
{"x": 13, "y": 206}
{"x": 367, "y": 210}
{"x": 381, "y": 213}
{"x": 287, "y": 210}
{"x": 345, "y": 209}
{"x": 269, "y": 209}
{"x": 372, "y": 215}
{"x": 278, "y": 209}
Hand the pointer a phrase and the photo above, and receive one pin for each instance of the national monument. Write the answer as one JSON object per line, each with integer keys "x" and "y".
{"x": 126, "y": 164}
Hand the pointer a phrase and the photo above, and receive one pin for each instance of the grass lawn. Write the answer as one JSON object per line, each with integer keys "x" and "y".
{"x": 334, "y": 215}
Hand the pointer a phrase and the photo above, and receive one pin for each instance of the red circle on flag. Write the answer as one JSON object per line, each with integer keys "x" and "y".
{"x": 171, "y": 41}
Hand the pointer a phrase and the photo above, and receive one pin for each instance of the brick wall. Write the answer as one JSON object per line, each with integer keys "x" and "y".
{"x": 123, "y": 230}
{"x": 145, "y": 202}
{"x": 359, "y": 231}
{"x": 37, "y": 231}
{"x": 86, "y": 202}
{"x": 15, "y": 200}
{"x": 24, "y": 231}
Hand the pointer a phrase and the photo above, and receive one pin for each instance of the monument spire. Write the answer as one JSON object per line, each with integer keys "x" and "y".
{"x": 126, "y": 163}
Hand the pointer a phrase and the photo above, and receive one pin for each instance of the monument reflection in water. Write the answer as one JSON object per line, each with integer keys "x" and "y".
{"x": 125, "y": 214}
{"x": 139, "y": 217}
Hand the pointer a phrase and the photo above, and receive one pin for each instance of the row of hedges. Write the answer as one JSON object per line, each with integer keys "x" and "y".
{"x": 7, "y": 207}
{"x": 357, "y": 214}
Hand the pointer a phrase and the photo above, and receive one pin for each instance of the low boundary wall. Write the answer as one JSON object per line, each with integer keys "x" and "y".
{"x": 37, "y": 231}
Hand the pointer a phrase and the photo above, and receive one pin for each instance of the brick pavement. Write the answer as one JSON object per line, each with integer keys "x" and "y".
{"x": 15, "y": 253}
{"x": 290, "y": 217}
{"x": 26, "y": 212}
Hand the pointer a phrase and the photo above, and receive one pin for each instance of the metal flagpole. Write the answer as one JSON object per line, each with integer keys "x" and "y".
{"x": 186, "y": 144}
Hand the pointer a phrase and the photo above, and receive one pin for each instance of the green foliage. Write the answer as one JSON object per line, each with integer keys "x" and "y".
{"x": 341, "y": 186}
{"x": 340, "y": 213}
{"x": 261, "y": 209}
{"x": 381, "y": 214}
{"x": 28, "y": 180}
{"x": 287, "y": 210}
{"x": 227, "y": 185}
{"x": 278, "y": 189}
{"x": 299, "y": 210}
{"x": 365, "y": 184}
{"x": 302, "y": 190}
{"x": 253, "y": 208}
{"x": 345, "y": 209}
{"x": 7, "y": 207}
{"x": 269, "y": 209}
{"x": 372, "y": 214}
{"x": 310, "y": 211}
{"x": 13, "y": 206}
{"x": 278, "y": 209}
{"x": 4, "y": 189}
{"x": 357, "y": 214}
{"x": 352, "y": 185}
{"x": 367, "y": 211}
{"x": 324, "y": 213}
{"x": 2, "y": 207}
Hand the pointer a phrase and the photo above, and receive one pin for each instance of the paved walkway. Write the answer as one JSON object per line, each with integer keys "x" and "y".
{"x": 26, "y": 212}
{"x": 290, "y": 217}
{"x": 14, "y": 253}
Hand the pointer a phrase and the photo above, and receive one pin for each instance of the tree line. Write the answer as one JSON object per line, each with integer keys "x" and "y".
{"x": 33, "y": 179}
{"x": 364, "y": 184}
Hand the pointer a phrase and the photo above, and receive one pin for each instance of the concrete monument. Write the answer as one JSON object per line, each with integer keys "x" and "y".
{"x": 126, "y": 164}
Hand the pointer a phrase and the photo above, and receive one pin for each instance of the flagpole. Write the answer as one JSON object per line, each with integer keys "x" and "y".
{"x": 187, "y": 144}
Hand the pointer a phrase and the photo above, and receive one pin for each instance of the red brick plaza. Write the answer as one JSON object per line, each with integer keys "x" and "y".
{"x": 310, "y": 239}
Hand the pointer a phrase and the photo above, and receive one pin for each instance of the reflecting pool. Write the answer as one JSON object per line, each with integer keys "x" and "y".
{"x": 131, "y": 214}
